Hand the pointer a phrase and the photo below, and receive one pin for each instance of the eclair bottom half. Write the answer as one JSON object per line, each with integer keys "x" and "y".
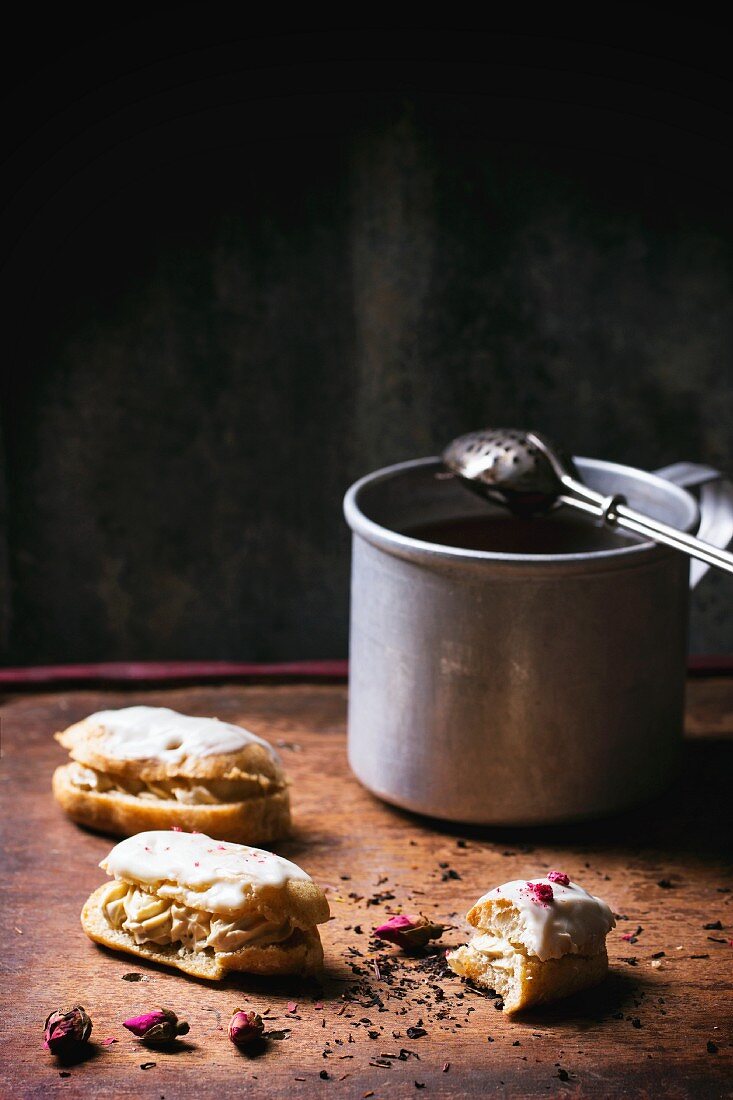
{"x": 259, "y": 819}
{"x": 523, "y": 980}
{"x": 300, "y": 952}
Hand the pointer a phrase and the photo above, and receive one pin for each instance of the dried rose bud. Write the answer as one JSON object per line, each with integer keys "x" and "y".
{"x": 245, "y": 1028}
{"x": 157, "y": 1027}
{"x": 63, "y": 1031}
{"x": 559, "y": 877}
{"x": 409, "y": 933}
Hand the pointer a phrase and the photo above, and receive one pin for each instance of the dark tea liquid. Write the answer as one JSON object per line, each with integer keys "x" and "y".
{"x": 558, "y": 533}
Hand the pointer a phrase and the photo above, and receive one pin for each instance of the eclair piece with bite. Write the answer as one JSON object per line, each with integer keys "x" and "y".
{"x": 141, "y": 768}
{"x": 536, "y": 941}
{"x": 207, "y": 907}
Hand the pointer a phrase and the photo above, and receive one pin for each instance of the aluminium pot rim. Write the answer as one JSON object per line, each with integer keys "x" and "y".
{"x": 643, "y": 553}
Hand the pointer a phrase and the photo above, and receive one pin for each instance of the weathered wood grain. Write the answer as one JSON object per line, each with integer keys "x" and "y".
{"x": 645, "y": 1032}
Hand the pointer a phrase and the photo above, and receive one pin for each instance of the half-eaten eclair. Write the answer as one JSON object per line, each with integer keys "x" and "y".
{"x": 536, "y": 941}
{"x": 151, "y": 768}
{"x": 207, "y": 907}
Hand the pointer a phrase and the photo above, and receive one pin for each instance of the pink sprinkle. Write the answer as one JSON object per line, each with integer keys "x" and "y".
{"x": 559, "y": 877}
{"x": 108, "y": 1042}
{"x": 291, "y": 1007}
{"x": 176, "y": 829}
{"x": 318, "y": 1006}
{"x": 196, "y": 863}
{"x": 628, "y": 936}
{"x": 541, "y": 893}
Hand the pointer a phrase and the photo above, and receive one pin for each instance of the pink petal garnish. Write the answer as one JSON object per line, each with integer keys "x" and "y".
{"x": 108, "y": 1041}
{"x": 541, "y": 893}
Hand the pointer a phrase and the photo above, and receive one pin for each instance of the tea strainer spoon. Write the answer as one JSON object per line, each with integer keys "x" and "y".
{"x": 528, "y": 474}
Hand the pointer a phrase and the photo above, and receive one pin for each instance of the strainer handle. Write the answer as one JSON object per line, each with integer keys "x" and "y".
{"x": 716, "y": 506}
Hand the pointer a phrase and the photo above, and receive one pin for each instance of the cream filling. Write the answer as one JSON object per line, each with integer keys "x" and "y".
{"x": 189, "y": 792}
{"x": 149, "y": 918}
{"x": 490, "y": 969}
{"x": 499, "y": 952}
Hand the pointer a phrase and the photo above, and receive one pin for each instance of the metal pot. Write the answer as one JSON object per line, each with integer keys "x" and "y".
{"x": 519, "y": 689}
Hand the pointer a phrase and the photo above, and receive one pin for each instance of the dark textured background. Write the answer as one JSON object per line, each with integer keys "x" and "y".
{"x": 240, "y": 270}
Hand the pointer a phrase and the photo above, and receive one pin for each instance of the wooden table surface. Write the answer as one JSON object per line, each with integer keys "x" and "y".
{"x": 660, "y": 1026}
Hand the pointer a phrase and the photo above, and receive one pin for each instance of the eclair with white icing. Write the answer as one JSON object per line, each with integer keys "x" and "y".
{"x": 536, "y": 940}
{"x": 142, "y": 768}
{"x": 207, "y": 907}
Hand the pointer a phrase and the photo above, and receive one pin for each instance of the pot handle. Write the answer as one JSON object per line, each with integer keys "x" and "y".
{"x": 716, "y": 506}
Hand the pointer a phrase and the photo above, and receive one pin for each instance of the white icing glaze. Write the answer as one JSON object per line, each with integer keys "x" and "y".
{"x": 574, "y": 922}
{"x": 147, "y": 733}
{"x": 199, "y": 872}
